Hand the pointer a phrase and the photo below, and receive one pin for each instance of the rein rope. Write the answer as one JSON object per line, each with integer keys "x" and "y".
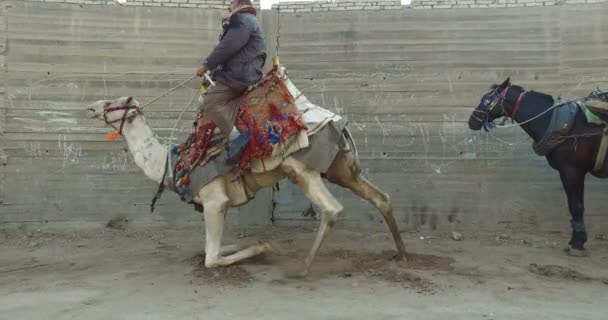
{"x": 166, "y": 92}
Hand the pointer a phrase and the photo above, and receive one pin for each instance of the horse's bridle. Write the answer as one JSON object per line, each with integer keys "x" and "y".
{"x": 490, "y": 105}
{"x": 111, "y": 108}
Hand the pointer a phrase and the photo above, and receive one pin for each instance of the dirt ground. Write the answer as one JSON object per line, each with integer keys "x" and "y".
{"x": 159, "y": 274}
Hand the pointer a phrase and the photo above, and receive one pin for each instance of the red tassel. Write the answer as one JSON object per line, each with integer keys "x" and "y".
{"x": 112, "y": 135}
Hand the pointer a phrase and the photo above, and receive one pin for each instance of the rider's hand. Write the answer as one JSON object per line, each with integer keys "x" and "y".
{"x": 201, "y": 70}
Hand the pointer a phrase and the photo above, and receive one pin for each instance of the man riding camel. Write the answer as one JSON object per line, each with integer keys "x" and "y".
{"x": 235, "y": 64}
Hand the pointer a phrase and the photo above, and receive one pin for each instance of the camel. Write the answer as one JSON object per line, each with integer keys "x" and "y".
{"x": 125, "y": 114}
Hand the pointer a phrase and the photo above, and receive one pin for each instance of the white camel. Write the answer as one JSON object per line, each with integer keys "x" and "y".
{"x": 222, "y": 192}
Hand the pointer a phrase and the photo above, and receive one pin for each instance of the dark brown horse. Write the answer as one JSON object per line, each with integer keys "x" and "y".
{"x": 572, "y": 154}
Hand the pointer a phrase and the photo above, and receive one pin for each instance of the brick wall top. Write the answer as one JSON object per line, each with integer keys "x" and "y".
{"x": 338, "y": 5}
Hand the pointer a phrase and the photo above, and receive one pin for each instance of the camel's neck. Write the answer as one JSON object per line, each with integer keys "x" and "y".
{"x": 147, "y": 152}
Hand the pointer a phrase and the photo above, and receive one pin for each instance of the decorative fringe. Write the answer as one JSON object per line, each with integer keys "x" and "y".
{"x": 191, "y": 152}
{"x": 272, "y": 121}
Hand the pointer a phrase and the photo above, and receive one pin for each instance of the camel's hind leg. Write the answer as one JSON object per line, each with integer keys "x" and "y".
{"x": 310, "y": 182}
{"x": 215, "y": 202}
{"x": 345, "y": 172}
{"x": 229, "y": 249}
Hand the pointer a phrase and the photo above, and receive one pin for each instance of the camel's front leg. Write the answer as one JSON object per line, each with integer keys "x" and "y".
{"x": 215, "y": 200}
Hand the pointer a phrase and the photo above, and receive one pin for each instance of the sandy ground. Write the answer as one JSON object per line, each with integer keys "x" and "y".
{"x": 158, "y": 274}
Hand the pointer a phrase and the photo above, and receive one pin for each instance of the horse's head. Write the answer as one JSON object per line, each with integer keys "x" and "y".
{"x": 115, "y": 112}
{"x": 490, "y": 107}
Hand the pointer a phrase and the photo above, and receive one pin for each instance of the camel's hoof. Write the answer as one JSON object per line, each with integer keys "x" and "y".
{"x": 229, "y": 251}
{"x": 402, "y": 262}
{"x": 575, "y": 252}
{"x": 297, "y": 274}
{"x": 401, "y": 259}
{"x": 272, "y": 247}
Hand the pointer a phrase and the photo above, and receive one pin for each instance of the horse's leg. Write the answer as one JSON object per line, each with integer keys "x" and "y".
{"x": 311, "y": 184}
{"x": 215, "y": 201}
{"x": 344, "y": 172}
{"x": 573, "y": 180}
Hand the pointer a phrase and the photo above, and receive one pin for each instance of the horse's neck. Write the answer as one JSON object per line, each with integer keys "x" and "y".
{"x": 147, "y": 152}
{"x": 527, "y": 110}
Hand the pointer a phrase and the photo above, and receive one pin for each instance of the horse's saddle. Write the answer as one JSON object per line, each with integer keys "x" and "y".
{"x": 563, "y": 118}
{"x": 595, "y": 107}
{"x": 599, "y": 108}
{"x": 561, "y": 124}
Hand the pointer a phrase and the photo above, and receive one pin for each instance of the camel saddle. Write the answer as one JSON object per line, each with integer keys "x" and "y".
{"x": 268, "y": 112}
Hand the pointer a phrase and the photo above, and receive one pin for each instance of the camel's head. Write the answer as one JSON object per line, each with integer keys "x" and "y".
{"x": 115, "y": 111}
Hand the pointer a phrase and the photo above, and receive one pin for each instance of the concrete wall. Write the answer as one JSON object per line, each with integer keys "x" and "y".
{"x": 407, "y": 80}
{"x": 3, "y": 100}
{"x": 337, "y": 5}
{"x": 62, "y": 57}
{"x": 463, "y": 4}
{"x": 367, "y": 5}
{"x": 205, "y": 4}
{"x": 341, "y": 5}
{"x": 347, "y": 5}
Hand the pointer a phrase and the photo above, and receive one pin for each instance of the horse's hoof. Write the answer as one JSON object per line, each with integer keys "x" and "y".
{"x": 575, "y": 252}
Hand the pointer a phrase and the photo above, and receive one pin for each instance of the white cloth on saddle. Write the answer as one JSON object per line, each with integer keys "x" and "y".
{"x": 234, "y": 134}
{"x": 280, "y": 152}
{"x": 314, "y": 116}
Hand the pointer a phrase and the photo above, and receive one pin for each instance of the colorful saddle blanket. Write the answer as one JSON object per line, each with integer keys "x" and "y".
{"x": 268, "y": 112}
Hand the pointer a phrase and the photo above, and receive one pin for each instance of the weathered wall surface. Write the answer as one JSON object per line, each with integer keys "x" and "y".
{"x": 204, "y": 4}
{"x": 366, "y": 5}
{"x": 463, "y": 4}
{"x": 337, "y": 5}
{"x": 3, "y": 155}
{"x": 62, "y": 57}
{"x": 406, "y": 79}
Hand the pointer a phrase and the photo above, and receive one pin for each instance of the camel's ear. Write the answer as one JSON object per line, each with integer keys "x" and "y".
{"x": 129, "y": 101}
